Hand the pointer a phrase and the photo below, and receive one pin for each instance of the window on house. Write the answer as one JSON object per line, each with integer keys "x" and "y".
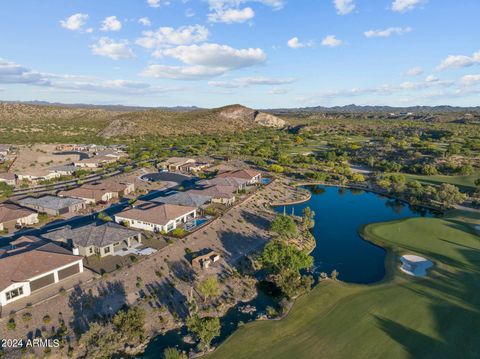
{"x": 106, "y": 250}
{"x": 91, "y": 250}
{"x": 14, "y": 293}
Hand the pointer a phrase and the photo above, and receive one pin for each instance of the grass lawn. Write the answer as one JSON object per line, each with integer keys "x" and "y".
{"x": 401, "y": 317}
{"x": 463, "y": 182}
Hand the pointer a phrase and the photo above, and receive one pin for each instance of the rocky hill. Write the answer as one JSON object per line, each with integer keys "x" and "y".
{"x": 38, "y": 122}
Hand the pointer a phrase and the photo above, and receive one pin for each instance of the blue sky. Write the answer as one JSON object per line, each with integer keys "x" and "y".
{"x": 260, "y": 53}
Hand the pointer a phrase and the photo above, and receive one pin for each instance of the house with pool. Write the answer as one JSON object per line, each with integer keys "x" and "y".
{"x": 155, "y": 217}
{"x": 250, "y": 176}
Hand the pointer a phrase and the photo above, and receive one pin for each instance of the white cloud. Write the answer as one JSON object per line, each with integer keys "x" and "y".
{"x": 230, "y": 11}
{"x": 344, "y": 6}
{"x": 470, "y": 80}
{"x": 114, "y": 50}
{"x": 189, "y": 13}
{"x": 252, "y": 81}
{"x": 230, "y": 16}
{"x": 153, "y": 3}
{"x": 457, "y": 61}
{"x": 431, "y": 78}
{"x": 12, "y": 73}
{"x": 145, "y": 21}
{"x": 414, "y": 71}
{"x": 206, "y": 60}
{"x": 387, "y": 32}
{"x": 168, "y": 36}
{"x": 215, "y": 55}
{"x": 295, "y": 43}
{"x": 181, "y": 72}
{"x": 405, "y": 5}
{"x": 331, "y": 41}
{"x": 74, "y": 22}
{"x": 223, "y": 4}
{"x": 279, "y": 91}
{"x": 111, "y": 23}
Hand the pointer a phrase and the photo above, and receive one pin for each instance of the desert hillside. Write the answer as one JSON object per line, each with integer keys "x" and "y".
{"x": 24, "y": 122}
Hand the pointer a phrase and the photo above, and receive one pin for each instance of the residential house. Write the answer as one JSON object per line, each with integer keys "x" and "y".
{"x": 218, "y": 193}
{"x": 37, "y": 175}
{"x": 30, "y": 264}
{"x": 193, "y": 167}
{"x": 66, "y": 170}
{"x": 156, "y": 217}
{"x": 53, "y": 205}
{"x": 13, "y": 216}
{"x": 94, "y": 162}
{"x": 118, "y": 187}
{"x": 237, "y": 183}
{"x": 90, "y": 194}
{"x": 103, "y": 240}
{"x": 8, "y": 178}
{"x": 113, "y": 153}
{"x": 174, "y": 163}
{"x": 188, "y": 198}
{"x": 252, "y": 177}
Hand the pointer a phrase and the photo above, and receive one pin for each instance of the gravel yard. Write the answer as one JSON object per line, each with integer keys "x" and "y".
{"x": 163, "y": 281}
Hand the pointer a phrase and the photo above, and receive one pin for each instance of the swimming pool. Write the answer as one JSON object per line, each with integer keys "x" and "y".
{"x": 195, "y": 223}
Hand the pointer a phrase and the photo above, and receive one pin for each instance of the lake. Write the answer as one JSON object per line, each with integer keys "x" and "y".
{"x": 339, "y": 213}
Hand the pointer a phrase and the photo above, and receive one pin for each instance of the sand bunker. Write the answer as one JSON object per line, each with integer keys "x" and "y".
{"x": 415, "y": 265}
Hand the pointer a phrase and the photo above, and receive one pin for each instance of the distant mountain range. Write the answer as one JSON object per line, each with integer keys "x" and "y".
{"x": 118, "y": 108}
{"x": 377, "y": 109}
{"x": 335, "y": 109}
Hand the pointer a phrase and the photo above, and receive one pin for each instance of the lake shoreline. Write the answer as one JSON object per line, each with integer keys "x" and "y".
{"x": 387, "y": 262}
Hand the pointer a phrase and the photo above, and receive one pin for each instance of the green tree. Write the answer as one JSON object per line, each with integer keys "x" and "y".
{"x": 104, "y": 217}
{"x": 449, "y": 195}
{"x": 173, "y": 353}
{"x": 279, "y": 256}
{"x": 130, "y": 325}
{"x": 308, "y": 220}
{"x": 5, "y": 190}
{"x": 99, "y": 342}
{"x": 205, "y": 329}
{"x": 276, "y": 168}
{"x": 209, "y": 288}
{"x": 465, "y": 170}
{"x": 358, "y": 177}
{"x": 284, "y": 226}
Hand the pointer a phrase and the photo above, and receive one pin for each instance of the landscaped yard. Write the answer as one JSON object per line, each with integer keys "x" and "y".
{"x": 402, "y": 317}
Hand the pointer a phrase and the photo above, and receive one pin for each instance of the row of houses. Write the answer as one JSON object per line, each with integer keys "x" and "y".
{"x": 88, "y": 148}
{"x": 35, "y": 175}
{"x": 33, "y": 263}
{"x": 25, "y": 211}
{"x": 167, "y": 213}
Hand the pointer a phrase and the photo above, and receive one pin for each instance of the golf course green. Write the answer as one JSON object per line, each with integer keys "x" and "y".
{"x": 401, "y": 317}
